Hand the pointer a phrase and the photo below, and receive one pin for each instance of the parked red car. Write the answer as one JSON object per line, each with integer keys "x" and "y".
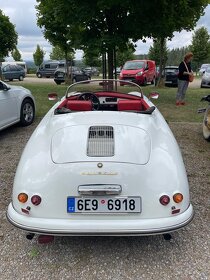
{"x": 139, "y": 71}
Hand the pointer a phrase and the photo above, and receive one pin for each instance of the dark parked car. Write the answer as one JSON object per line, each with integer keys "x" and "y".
{"x": 91, "y": 71}
{"x": 78, "y": 75}
{"x": 171, "y": 75}
{"x": 10, "y": 72}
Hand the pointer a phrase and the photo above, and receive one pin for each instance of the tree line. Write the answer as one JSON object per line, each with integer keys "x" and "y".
{"x": 107, "y": 29}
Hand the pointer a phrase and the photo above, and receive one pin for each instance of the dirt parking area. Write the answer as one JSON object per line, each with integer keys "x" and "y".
{"x": 33, "y": 79}
{"x": 185, "y": 257}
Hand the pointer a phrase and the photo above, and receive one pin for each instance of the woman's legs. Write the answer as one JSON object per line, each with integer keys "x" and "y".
{"x": 182, "y": 88}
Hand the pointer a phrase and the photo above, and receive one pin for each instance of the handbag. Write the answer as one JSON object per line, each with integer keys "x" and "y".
{"x": 191, "y": 77}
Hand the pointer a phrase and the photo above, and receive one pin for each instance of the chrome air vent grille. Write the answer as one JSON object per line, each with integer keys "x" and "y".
{"x": 100, "y": 141}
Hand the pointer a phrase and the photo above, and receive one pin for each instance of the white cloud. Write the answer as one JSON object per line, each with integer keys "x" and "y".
{"x": 22, "y": 13}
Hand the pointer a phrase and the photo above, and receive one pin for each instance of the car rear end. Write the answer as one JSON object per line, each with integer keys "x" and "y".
{"x": 171, "y": 76}
{"x": 205, "y": 80}
{"x": 98, "y": 180}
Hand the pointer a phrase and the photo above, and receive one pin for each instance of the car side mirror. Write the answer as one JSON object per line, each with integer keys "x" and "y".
{"x": 4, "y": 87}
{"x": 52, "y": 96}
{"x": 154, "y": 95}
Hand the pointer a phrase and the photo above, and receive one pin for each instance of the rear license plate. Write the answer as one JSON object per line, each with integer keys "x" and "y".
{"x": 131, "y": 204}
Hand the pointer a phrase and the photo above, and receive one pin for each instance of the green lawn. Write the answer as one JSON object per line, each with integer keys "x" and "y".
{"x": 165, "y": 103}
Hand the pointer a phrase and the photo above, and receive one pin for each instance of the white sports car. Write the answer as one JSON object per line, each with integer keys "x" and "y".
{"x": 103, "y": 161}
{"x": 16, "y": 105}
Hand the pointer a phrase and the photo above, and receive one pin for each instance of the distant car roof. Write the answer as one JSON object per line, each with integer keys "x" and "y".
{"x": 172, "y": 67}
{"x": 205, "y": 65}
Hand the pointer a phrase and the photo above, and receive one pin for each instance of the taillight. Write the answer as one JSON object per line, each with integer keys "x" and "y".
{"x": 164, "y": 199}
{"x": 36, "y": 199}
{"x": 22, "y": 197}
{"x": 177, "y": 197}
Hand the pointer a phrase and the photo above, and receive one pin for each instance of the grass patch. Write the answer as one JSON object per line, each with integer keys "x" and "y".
{"x": 173, "y": 113}
{"x": 165, "y": 103}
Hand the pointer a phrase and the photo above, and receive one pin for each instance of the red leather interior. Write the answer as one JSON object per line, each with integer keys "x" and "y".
{"x": 79, "y": 105}
{"x": 130, "y": 105}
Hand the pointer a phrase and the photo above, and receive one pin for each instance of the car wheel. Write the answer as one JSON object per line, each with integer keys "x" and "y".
{"x": 58, "y": 82}
{"x": 39, "y": 75}
{"x": 21, "y": 78}
{"x": 202, "y": 85}
{"x": 10, "y": 80}
{"x": 27, "y": 112}
{"x": 145, "y": 82}
{"x": 206, "y": 125}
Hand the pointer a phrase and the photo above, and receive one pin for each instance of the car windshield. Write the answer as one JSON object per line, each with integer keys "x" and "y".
{"x": 104, "y": 86}
{"x": 133, "y": 65}
{"x": 171, "y": 70}
{"x": 208, "y": 70}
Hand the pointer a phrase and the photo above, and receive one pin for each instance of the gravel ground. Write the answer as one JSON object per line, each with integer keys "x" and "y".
{"x": 186, "y": 256}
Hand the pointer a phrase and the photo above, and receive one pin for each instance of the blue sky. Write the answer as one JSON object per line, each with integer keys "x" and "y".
{"x": 22, "y": 13}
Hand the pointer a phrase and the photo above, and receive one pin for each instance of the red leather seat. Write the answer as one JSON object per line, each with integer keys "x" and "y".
{"x": 129, "y": 105}
{"x": 79, "y": 105}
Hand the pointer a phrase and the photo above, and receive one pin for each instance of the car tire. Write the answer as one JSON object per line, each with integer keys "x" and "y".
{"x": 39, "y": 75}
{"x": 10, "y": 80}
{"x": 27, "y": 112}
{"x": 206, "y": 125}
{"x": 21, "y": 78}
{"x": 145, "y": 82}
{"x": 58, "y": 82}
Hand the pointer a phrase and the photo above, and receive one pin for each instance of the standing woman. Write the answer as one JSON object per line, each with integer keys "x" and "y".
{"x": 185, "y": 72}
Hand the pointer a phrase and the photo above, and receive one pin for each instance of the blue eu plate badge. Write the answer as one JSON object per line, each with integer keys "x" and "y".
{"x": 71, "y": 205}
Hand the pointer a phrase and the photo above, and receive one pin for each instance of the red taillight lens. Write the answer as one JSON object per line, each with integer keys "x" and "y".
{"x": 36, "y": 199}
{"x": 177, "y": 197}
{"x": 164, "y": 199}
{"x": 22, "y": 197}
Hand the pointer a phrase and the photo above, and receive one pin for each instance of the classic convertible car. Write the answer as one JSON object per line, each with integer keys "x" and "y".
{"x": 103, "y": 161}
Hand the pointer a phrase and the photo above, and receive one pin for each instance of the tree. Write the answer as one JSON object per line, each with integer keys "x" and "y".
{"x": 183, "y": 15}
{"x": 123, "y": 56}
{"x": 92, "y": 58}
{"x": 108, "y": 25}
{"x": 8, "y": 36}
{"x": 159, "y": 54}
{"x": 16, "y": 55}
{"x": 58, "y": 54}
{"x": 38, "y": 56}
{"x": 175, "y": 56}
{"x": 154, "y": 52}
{"x": 200, "y": 46}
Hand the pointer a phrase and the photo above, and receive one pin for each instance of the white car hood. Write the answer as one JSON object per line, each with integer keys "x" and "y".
{"x": 128, "y": 144}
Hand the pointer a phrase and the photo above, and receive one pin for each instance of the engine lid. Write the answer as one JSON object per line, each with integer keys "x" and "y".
{"x": 118, "y": 143}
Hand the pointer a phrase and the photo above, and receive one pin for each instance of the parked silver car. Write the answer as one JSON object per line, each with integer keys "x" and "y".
{"x": 205, "y": 80}
{"x": 203, "y": 68}
{"x": 16, "y": 105}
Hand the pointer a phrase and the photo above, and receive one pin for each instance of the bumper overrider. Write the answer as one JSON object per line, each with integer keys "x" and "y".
{"x": 99, "y": 227}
